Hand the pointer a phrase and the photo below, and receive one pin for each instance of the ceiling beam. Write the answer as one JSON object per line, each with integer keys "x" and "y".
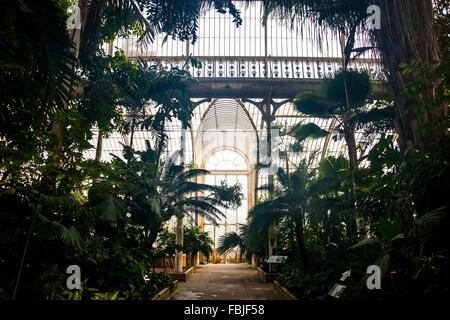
{"x": 258, "y": 87}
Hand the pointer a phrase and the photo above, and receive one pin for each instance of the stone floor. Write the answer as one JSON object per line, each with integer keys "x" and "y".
{"x": 225, "y": 282}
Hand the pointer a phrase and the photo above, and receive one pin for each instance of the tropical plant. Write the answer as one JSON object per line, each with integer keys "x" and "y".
{"x": 179, "y": 195}
{"x": 399, "y": 20}
{"x": 142, "y": 86}
{"x": 291, "y": 201}
{"x": 342, "y": 98}
{"x": 231, "y": 240}
{"x": 195, "y": 241}
{"x": 412, "y": 258}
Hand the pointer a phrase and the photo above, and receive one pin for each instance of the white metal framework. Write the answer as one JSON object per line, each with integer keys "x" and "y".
{"x": 256, "y": 61}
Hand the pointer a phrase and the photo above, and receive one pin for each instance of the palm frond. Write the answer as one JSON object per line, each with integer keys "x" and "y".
{"x": 262, "y": 216}
{"x": 192, "y": 173}
{"x": 309, "y": 130}
{"x": 54, "y": 229}
{"x": 358, "y": 86}
{"x": 314, "y": 105}
{"x": 111, "y": 208}
{"x": 228, "y": 242}
{"x": 68, "y": 203}
{"x": 171, "y": 172}
{"x": 209, "y": 209}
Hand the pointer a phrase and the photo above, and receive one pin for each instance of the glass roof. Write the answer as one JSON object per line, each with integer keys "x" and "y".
{"x": 222, "y": 124}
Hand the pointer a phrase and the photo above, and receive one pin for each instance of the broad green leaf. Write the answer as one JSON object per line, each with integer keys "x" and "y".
{"x": 310, "y": 130}
{"x": 366, "y": 242}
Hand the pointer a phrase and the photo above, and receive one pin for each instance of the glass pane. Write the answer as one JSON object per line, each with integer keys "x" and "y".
{"x": 220, "y": 231}
{"x": 226, "y": 165}
{"x": 242, "y": 212}
{"x": 231, "y": 180}
{"x": 231, "y": 229}
{"x": 231, "y": 216}
{"x": 243, "y": 181}
{"x": 219, "y": 179}
{"x": 209, "y": 179}
{"x": 210, "y": 230}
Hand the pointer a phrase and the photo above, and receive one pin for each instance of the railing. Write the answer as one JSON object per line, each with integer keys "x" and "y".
{"x": 255, "y": 67}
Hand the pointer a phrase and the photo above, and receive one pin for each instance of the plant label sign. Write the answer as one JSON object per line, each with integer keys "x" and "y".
{"x": 275, "y": 259}
{"x": 337, "y": 290}
{"x": 345, "y": 275}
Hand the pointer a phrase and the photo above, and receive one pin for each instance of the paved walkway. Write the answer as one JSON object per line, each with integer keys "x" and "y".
{"x": 225, "y": 282}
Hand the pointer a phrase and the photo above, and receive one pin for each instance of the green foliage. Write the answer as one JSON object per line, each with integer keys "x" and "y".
{"x": 179, "y": 18}
{"x": 425, "y": 79}
{"x": 343, "y": 98}
{"x": 303, "y": 285}
{"x": 194, "y": 241}
{"x": 358, "y": 88}
{"x": 314, "y": 105}
{"x": 333, "y": 96}
{"x": 229, "y": 241}
{"x": 389, "y": 197}
{"x": 59, "y": 209}
{"x": 303, "y": 131}
{"x": 408, "y": 245}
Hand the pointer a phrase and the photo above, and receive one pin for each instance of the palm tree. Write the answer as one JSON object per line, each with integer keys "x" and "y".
{"x": 292, "y": 198}
{"x": 343, "y": 99}
{"x": 399, "y": 40}
{"x": 249, "y": 243}
{"x": 331, "y": 206}
{"x": 102, "y": 21}
{"x": 142, "y": 85}
{"x": 231, "y": 240}
{"x": 335, "y": 102}
{"x": 196, "y": 241}
{"x": 157, "y": 194}
{"x": 179, "y": 196}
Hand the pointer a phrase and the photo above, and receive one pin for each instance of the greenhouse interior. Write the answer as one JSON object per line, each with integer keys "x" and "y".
{"x": 224, "y": 150}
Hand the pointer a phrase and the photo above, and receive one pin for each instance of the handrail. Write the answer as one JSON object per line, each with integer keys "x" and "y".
{"x": 255, "y": 67}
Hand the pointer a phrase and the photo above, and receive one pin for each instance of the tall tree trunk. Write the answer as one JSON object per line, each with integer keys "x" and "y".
{"x": 407, "y": 33}
{"x": 180, "y": 222}
{"x": 272, "y": 232}
{"x": 98, "y": 150}
{"x": 153, "y": 231}
{"x": 350, "y": 140}
{"x": 299, "y": 232}
{"x": 75, "y": 36}
{"x": 179, "y": 241}
{"x": 349, "y": 133}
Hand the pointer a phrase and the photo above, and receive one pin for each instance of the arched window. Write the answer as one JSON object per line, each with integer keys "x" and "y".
{"x": 226, "y": 160}
{"x": 230, "y": 167}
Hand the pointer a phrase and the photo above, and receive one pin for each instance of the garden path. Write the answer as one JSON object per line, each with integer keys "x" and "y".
{"x": 225, "y": 282}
